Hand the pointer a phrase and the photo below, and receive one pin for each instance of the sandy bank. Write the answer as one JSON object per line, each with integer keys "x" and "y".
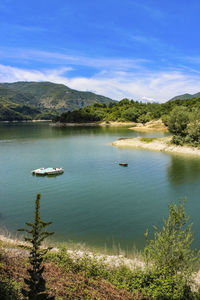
{"x": 156, "y": 144}
{"x": 155, "y": 125}
{"x": 118, "y": 124}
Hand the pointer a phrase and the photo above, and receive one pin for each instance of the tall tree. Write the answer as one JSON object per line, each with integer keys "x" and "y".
{"x": 38, "y": 232}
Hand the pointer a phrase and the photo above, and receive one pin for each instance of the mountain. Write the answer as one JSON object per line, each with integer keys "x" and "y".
{"x": 49, "y": 95}
{"x": 186, "y": 96}
{"x": 28, "y": 100}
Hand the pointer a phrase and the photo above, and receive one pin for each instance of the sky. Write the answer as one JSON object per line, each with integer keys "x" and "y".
{"x": 138, "y": 49}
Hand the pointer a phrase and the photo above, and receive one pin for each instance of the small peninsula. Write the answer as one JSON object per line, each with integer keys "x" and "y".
{"x": 156, "y": 144}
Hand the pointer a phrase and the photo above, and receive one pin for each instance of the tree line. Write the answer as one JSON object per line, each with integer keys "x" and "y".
{"x": 126, "y": 110}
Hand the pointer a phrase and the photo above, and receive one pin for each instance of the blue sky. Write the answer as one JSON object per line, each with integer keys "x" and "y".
{"x": 143, "y": 49}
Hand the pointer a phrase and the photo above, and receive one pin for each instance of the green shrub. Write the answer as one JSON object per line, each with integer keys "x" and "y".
{"x": 89, "y": 266}
{"x": 170, "y": 250}
{"x": 147, "y": 139}
{"x": 193, "y": 136}
{"x": 157, "y": 286}
{"x": 9, "y": 289}
{"x": 178, "y": 140}
{"x": 178, "y": 121}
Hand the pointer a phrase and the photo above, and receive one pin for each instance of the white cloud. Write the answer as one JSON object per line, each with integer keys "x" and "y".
{"x": 157, "y": 86}
{"x": 11, "y": 74}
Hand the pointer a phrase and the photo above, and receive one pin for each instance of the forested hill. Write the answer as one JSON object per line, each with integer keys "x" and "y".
{"x": 185, "y": 96}
{"x": 30, "y": 100}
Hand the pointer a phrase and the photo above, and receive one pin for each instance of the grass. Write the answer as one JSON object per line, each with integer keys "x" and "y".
{"x": 147, "y": 139}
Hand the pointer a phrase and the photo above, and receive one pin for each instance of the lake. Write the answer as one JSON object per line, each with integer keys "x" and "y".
{"x": 95, "y": 201}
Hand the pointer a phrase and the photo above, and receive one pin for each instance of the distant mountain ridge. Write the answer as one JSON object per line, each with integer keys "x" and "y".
{"x": 49, "y": 95}
{"x": 186, "y": 96}
{"x": 27, "y": 100}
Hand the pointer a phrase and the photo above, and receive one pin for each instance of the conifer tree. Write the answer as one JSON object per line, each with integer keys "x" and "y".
{"x": 38, "y": 232}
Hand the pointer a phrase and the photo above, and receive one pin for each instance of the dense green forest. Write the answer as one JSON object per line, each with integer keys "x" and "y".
{"x": 41, "y": 100}
{"x": 127, "y": 110}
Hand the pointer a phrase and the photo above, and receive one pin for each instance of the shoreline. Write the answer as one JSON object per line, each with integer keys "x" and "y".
{"x": 154, "y": 125}
{"x": 157, "y": 144}
{"x": 110, "y": 260}
{"x": 58, "y": 124}
{"x": 93, "y": 124}
{"x": 24, "y": 121}
{"x": 15, "y": 247}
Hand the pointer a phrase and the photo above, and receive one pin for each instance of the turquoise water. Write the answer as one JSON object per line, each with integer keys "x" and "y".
{"x": 95, "y": 201}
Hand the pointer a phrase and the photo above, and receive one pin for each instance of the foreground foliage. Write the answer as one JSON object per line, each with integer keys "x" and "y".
{"x": 171, "y": 263}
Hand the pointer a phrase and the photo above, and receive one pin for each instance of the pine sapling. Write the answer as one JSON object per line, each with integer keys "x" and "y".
{"x": 38, "y": 233}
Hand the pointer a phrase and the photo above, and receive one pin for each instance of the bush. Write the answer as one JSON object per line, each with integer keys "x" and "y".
{"x": 178, "y": 140}
{"x": 157, "y": 286}
{"x": 8, "y": 289}
{"x": 170, "y": 250}
{"x": 178, "y": 121}
{"x": 193, "y": 136}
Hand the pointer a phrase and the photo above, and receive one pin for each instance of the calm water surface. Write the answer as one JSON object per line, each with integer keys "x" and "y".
{"x": 95, "y": 201}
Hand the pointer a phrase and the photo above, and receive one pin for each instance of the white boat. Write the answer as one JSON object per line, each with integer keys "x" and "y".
{"x": 34, "y": 172}
{"x": 54, "y": 171}
{"x": 48, "y": 171}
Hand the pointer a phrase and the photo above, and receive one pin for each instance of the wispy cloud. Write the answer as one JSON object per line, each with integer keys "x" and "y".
{"x": 78, "y": 60}
{"x": 29, "y": 28}
{"x": 157, "y": 86}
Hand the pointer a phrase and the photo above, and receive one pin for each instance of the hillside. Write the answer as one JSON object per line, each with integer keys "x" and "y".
{"x": 28, "y": 100}
{"x": 49, "y": 95}
{"x": 185, "y": 96}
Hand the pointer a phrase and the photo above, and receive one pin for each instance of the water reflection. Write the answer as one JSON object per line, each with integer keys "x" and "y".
{"x": 183, "y": 170}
